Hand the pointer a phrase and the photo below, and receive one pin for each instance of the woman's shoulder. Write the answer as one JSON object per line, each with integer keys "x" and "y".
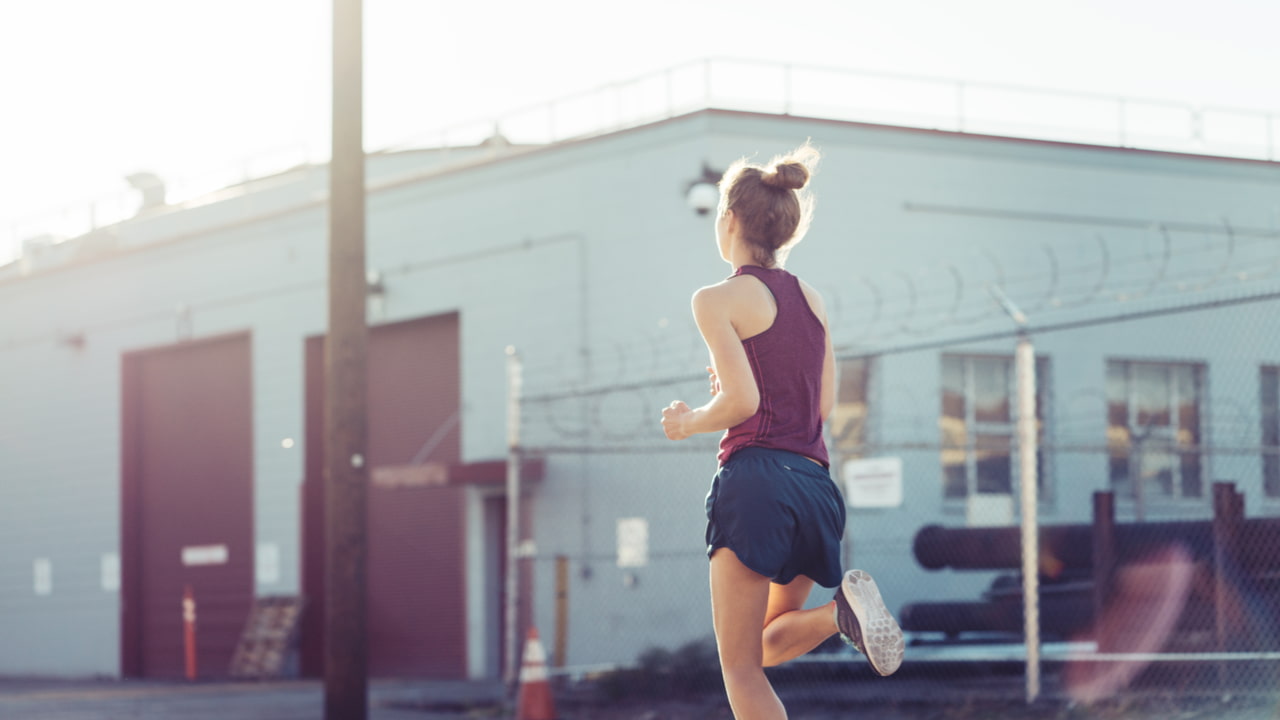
{"x": 735, "y": 289}
{"x": 814, "y": 297}
{"x": 713, "y": 295}
{"x": 806, "y": 287}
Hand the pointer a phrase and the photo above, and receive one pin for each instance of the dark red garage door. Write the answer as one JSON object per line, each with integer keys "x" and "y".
{"x": 417, "y": 604}
{"x": 187, "y": 503}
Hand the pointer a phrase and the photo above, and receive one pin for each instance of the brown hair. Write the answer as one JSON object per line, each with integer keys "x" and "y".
{"x": 770, "y": 202}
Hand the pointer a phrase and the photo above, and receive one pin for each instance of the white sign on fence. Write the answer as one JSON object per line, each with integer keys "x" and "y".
{"x": 873, "y": 482}
{"x": 43, "y": 570}
{"x": 633, "y": 542}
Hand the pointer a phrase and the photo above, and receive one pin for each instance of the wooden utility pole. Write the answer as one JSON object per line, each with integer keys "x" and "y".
{"x": 346, "y": 646}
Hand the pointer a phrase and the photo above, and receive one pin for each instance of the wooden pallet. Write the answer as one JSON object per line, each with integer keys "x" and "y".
{"x": 269, "y": 636}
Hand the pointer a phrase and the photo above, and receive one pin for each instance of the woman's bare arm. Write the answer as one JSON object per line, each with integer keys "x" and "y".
{"x": 738, "y": 397}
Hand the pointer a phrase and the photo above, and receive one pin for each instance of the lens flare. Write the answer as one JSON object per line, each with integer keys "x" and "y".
{"x": 1138, "y": 619}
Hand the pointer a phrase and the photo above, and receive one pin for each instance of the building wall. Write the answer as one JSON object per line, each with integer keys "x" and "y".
{"x": 583, "y": 256}
{"x": 870, "y": 228}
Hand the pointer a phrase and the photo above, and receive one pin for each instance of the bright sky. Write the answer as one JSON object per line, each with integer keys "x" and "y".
{"x": 92, "y": 90}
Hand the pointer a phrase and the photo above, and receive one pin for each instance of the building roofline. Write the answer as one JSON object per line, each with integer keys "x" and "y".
{"x": 513, "y": 152}
{"x": 926, "y": 104}
{"x": 987, "y": 137}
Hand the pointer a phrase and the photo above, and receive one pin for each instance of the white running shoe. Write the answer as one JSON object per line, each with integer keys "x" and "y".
{"x": 866, "y": 624}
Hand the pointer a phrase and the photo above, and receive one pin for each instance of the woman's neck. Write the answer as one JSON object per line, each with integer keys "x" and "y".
{"x": 740, "y": 254}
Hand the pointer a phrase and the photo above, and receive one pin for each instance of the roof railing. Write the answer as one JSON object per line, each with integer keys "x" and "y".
{"x": 916, "y": 101}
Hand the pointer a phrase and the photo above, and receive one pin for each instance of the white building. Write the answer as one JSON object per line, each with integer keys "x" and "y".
{"x": 160, "y": 379}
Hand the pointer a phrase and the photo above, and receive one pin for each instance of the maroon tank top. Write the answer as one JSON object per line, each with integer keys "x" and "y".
{"x": 787, "y": 363}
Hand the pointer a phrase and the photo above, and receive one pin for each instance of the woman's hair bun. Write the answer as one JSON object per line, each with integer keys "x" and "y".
{"x": 788, "y": 175}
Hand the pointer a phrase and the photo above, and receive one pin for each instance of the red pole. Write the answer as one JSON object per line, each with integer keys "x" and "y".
{"x": 189, "y": 630}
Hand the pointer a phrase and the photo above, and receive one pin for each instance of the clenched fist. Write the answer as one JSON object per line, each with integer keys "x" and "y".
{"x": 673, "y": 417}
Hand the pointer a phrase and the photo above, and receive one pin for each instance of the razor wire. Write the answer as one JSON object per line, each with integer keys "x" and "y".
{"x": 1204, "y": 604}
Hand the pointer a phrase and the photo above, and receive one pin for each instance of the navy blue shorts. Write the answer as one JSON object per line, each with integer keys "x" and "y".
{"x": 780, "y": 513}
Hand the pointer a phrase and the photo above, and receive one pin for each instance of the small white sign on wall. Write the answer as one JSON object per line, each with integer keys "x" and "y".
{"x": 204, "y": 555}
{"x": 42, "y": 569}
{"x": 873, "y": 482}
{"x": 267, "y": 564}
{"x": 633, "y": 542}
{"x": 110, "y": 571}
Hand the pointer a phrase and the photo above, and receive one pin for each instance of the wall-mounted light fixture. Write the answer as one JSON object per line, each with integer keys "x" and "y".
{"x": 374, "y": 283}
{"x": 703, "y": 194}
{"x": 376, "y": 292}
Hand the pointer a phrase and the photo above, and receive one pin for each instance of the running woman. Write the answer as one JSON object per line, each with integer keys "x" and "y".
{"x": 774, "y": 516}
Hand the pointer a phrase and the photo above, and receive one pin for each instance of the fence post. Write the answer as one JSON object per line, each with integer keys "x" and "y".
{"x": 1025, "y": 358}
{"x": 514, "y": 383}
{"x": 1104, "y": 557}
{"x": 562, "y": 611}
{"x": 1228, "y": 509}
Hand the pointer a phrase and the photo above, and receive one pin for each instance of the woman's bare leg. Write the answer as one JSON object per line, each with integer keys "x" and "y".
{"x": 739, "y": 599}
{"x": 790, "y": 632}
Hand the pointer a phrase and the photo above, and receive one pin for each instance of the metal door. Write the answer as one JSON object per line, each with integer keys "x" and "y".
{"x": 187, "y": 507}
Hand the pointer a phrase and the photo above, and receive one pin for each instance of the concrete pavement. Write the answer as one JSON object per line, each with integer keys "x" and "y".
{"x": 39, "y": 699}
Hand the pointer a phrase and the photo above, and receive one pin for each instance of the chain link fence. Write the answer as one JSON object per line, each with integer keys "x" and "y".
{"x": 1158, "y": 476}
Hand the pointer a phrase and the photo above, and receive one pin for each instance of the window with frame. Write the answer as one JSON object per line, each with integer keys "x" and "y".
{"x": 848, "y": 420}
{"x": 979, "y": 424}
{"x": 1153, "y": 429}
{"x": 1269, "y": 389}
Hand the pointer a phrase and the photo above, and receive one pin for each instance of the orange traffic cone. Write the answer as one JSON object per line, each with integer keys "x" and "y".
{"x": 534, "y": 701}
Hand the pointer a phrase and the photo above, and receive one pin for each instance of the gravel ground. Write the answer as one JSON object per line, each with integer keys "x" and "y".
{"x": 1137, "y": 708}
{"x": 810, "y": 693}
{"x": 944, "y": 694}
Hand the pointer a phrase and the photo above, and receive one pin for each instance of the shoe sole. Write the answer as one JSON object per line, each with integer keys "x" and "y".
{"x": 881, "y": 637}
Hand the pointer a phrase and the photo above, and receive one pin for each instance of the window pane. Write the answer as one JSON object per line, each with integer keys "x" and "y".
{"x": 1117, "y": 395}
{"x": 953, "y": 387}
{"x": 1153, "y": 428}
{"x": 993, "y": 468}
{"x": 1118, "y": 436}
{"x": 953, "y": 477}
{"x": 849, "y": 417}
{"x": 980, "y": 389}
{"x": 1155, "y": 470}
{"x": 953, "y": 437}
{"x": 1270, "y": 404}
{"x": 1187, "y": 380}
{"x": 1271, "y": 472}
{"x": 1041, "y": 470}
{"x": 1118, "y": 466}
{"x": 991, "y": 379}
{"x": 1151, "y": 395}
{"x": 954, "y": 432}
{"x": 1191, "y": 483}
